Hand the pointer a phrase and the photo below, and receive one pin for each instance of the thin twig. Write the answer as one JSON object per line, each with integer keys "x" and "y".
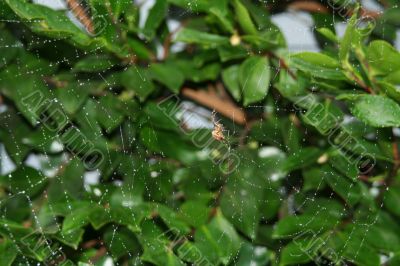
{"x": 361, "y": 83}
{"x": 168, "y": 40}
{"x": 282, "y": 64}
{"x": 212, "y": 100}
{"x": 315, "y": 7}
{"x": 80, "y": 13}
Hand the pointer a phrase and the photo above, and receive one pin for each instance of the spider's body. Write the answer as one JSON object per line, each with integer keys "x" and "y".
{"x": 218, "y": 131}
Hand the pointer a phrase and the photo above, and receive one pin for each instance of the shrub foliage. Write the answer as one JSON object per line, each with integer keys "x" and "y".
{"x": 109, "y": 154}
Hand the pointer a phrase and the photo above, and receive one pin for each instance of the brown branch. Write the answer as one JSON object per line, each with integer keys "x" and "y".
{"x": 223, "y": 105}
{"x": 91, "y": 243}
{"x": 396, "y": 158}
{"x": 168, "y": 40}
{"x": 393, "y": 172}
{"x": 370, "y": 14}
{"x": 309, "y": 6}
{"x": 315, "y": 7}
{"x": 55, "y": 82}
{"x": 364, "y": 178}
{"x": 385, "y": 3}
{"x": 100, "y": 253}
{"x": 361, "y": 83}
{"x": 282, "y": 64}
{"x": 80, "y": 13}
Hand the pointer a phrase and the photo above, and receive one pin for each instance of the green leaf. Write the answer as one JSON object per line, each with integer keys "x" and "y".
{"x": 195, "y": 73}
{"x": 9, "y": 252}
{"x": 350, "y": 192}
{"x": 244, "y": 18}
{"x": 139, "y": 49}
{"x": 296, "y": 252}
{"x": 236, "y": 197}
{"x": 108, "y": 113}
{"x": 348, "y": 38}
{"x": 72, "y": 238}
{"x": 168, "y": 144}
{"x": 16, "y": 208}
{"x": 394, "y": 260}
{"x": 10, "y": 47}
{"x": 94, "y": 63}
{"x": 292, "y": 226}
{"x": 229, "y": 52}
{"x": 47, "y": 21}
{"x": 325, "y": 117}
{"x": 77, "y": 218}
{"x": 266, "y": 40}
{"x": 196, "y": 213}
{"x": 353, "y": 249}
{"x": 156, "y": 16}
{"x": 221, "y": 12}
{"x": 43, "y": 140}
{"x": 120, "y": 242}
{"x": 312, "y": 179}
{"x": 187, "y": 35}
{"x": 383, "y": 58}
{"x": 343, "y": 165}
{"x": 307, "y": 171}
{"x": 32, "y": 98}
{"x": 301, "y": 159}
{"x": 10, "y": 122}
{"x": 217, "y": 241}
{"x": 271, "y": 203}
{"x": 168, "y": 75}
{"x": 172, "y": 219}
{"x": 103, "y": 24}
{"x": 137, "y": 79}
{"x": 390, "y": 199}
{"x": 393, "y": 78}
{"x": 72, "y": 178}
{"x": 317, "y": 65}
{"x": 73, "y": 96}
{"x": 164, "y": 114}
{"x": 119, "y": 7}
{"x": 329, "y": 34}
{"x": 247, "y": 180}
{"x": 25, "y": 180}
{"x": 155, "y": 245}
{"x": 319, "y": 205}
{"x": 253, "y": 255}
{"x": 230, "y": 76}
{"x": 393, "y": 91}
{"x": 376, "y": 110}
{"x": 254, "y": 78}
{"x": 200, "y": 6}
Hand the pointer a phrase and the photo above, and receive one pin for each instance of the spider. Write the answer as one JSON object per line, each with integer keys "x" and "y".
{"x": 218, "y": 130}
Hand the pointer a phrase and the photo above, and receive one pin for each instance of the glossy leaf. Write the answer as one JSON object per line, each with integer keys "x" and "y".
{"x": 254, "y": 78}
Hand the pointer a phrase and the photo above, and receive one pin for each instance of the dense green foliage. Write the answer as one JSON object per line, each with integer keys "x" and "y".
{"x": 311, "y": 177}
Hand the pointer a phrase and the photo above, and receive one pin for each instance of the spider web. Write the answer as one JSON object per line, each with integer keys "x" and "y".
{"x": 200, "y": 118}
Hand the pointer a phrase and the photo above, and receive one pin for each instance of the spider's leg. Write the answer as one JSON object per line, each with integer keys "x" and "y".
{"x": 213, "y": 115}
